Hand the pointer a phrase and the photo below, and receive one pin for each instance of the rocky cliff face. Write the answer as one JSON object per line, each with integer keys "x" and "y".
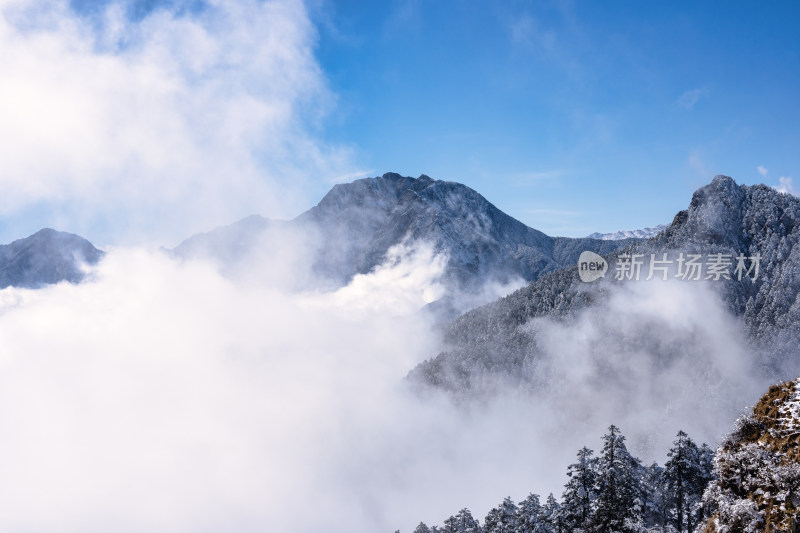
{"x": 758, "y": 468}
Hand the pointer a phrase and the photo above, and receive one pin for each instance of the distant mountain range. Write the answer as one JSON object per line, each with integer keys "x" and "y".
{"x": 349, "y": 232}
{"x": 644, "y": 233}
{"x": 353, "y": 227}
{"x": 46, "y": 257}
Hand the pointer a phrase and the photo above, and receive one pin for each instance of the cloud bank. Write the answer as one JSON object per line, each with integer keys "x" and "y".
{"x": 161, "y": 396}
{"x": 177, "y": 122}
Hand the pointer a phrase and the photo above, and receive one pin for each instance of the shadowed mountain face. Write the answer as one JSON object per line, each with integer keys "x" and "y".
{"x": 46, "y": 257}
{"x": 356, "y": 224}
{"x": 723, "y": 218}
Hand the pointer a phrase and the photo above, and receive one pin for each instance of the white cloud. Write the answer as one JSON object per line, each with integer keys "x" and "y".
{"x": 168, "y": 125}
{"x": 697, "y": 162}
{"x": 160, "y": 396}
{"x": 404, "y": 284}
{"x": 670, "y": 349}
{"x": 689, "y": 98}
{"x": 786, "y": 186}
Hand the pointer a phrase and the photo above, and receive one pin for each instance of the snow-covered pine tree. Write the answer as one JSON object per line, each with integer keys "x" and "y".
{"x": 618, "y": 486}
{"x": 552, "y": 515}
{"x": 655, "y": 504}
{"x": 501, "y": 519}
{"x": 579, "y": 492}
{"x": 707, "y": 473}
{"x": 707, "y": 463}
{"x": 684, "y": 478}
{"x": 530, "y": 516}
{"x": 463, "y": 522}
{"x": 422, "y": 528}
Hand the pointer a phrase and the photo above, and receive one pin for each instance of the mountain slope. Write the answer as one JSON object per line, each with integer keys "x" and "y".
{"x": 758, "y": 468}
{"x": 46, "y": 257}
{"x": 723, "y": 217}
{"x": 355, "y": 224}
{"x": 231, "y": 241}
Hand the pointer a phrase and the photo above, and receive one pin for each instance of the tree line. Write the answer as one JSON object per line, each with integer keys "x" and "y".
{"x": 612, "y": 492}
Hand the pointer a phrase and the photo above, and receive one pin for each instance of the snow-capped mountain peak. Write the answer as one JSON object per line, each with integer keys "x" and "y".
{"x": 643, "y": 233}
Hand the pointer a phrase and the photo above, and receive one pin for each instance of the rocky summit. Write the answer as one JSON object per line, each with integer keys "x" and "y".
{"x": 722, "y": 218}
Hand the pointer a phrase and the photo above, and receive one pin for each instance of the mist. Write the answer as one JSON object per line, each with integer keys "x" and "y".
{"x": 652, "y": 358}
{"x": 160, "y": 395}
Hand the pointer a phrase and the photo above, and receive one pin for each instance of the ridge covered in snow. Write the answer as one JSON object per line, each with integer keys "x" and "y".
{"x": 643, "y": 233}
{"x": 355, "y": 225}
{"x": 48, "y": 256}
{"x": 722, "y": 218}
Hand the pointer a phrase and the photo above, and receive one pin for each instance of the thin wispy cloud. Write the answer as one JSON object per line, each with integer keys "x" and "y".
{"x": 690, "y": 98}
{"x": 536, "y": 177}
{"x": 785, "y": 185}
{"x": 553, "y": 212}
{"x": 698, "y": 163}
{"x": 526, "y": 31}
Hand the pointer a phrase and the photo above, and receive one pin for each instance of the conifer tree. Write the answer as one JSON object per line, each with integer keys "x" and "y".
{"x": 501, "y": 519}
{"x": 618, "y": 486}
{"x": 552, "y": 515}
{"x": 579, "y": 493}
{"x": 655, "y": 505}
{"x": 461, "y": 523}
{"x": 530, "y": 516}
{"x": 684, "y": 478}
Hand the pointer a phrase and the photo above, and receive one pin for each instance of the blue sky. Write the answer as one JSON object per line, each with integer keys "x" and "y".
{"x": 147, "y": 121}
{"x": 571, "y": 116}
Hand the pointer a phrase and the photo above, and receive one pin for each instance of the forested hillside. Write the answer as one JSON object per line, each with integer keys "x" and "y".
{"x": 723, "y": 220}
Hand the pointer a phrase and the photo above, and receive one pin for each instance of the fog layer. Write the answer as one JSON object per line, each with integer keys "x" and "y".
{"x": 161, "y": 396}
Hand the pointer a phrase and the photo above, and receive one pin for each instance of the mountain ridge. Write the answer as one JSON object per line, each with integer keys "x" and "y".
{"x": 722, "y": 217}
{"x": 643, "y": 233}
{"x": 46, "y": 257}
{"x": 355, "y": 224}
